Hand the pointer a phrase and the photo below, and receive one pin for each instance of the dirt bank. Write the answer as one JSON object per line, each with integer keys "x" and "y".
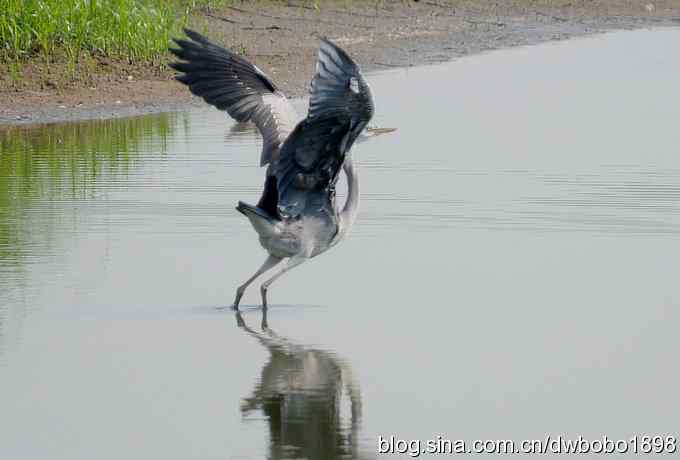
{"x": 282, "y": 38}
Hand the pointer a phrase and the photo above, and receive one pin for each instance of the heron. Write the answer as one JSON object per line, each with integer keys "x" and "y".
{"x": 297, "y": 217}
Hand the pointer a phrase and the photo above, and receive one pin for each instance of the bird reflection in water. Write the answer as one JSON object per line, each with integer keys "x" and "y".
{"x": 309, "y": 397}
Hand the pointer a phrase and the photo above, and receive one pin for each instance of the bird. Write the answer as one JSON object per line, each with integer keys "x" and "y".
{"x": 297, "y": 217}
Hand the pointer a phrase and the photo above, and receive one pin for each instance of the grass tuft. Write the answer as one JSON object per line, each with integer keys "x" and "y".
{"x": 139, "y": 30}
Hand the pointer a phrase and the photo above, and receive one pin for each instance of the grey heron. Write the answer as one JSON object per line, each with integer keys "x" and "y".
{"x": 297, "y": 217}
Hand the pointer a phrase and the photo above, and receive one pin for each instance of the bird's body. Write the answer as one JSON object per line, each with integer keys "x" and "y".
{"x": 297, "y": 217}
{"x": 307, "y": 236}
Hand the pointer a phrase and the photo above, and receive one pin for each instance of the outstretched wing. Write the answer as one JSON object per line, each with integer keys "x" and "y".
{"x": 231, "y": 83}
{"x": 340, "y": 107}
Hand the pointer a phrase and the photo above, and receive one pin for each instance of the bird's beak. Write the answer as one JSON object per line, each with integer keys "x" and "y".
{"x": 372, "y": 131}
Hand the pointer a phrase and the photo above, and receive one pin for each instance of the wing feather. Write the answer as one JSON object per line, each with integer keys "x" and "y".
{"x": 340, "y": 107}
{"x": 231, "y": 83}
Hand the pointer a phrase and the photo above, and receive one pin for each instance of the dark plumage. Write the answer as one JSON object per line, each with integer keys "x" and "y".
{"x": 231, "y": 83}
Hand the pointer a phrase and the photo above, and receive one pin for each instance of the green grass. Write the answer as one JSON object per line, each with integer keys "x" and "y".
{"x": 139, "y": 30}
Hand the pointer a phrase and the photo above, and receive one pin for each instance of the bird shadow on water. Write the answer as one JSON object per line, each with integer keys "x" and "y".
{"x": 309, "y": 398}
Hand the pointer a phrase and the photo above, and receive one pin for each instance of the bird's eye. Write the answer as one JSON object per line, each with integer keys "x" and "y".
{"x": 354, "y": 85}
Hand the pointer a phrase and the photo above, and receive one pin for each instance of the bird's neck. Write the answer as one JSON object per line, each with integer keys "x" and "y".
{"x": 351, "y": 207}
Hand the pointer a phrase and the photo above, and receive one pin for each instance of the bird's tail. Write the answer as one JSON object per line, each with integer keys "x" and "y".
{"x": 262, "y": 222}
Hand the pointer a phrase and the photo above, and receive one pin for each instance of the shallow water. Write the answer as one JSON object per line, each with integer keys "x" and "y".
{"x": 512, "y": 273}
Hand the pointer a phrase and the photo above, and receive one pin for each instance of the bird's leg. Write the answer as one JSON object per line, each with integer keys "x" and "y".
{"x": 290, "y": 264}
{"x": 264, "y": 324}
{"x": 268, "y": 264}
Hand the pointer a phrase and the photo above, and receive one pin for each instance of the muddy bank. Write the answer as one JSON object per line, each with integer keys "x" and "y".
{"x": 282, "y": 38}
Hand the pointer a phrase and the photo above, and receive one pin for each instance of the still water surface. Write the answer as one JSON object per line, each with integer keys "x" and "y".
{"x": 512, "y": 274}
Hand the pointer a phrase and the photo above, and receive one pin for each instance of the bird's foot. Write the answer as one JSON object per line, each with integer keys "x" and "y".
{"x": 263, "y": 291}
{"x": 237, "y": 300}
{"x": 264, "y": 324}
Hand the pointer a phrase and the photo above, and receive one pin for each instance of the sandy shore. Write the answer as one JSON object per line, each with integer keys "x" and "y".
{"x": 282, "y": 38}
